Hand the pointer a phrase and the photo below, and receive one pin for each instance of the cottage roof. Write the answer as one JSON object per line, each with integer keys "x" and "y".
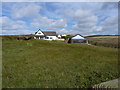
{"x": 49, "y": 33}
{"x": 78, "y": 37}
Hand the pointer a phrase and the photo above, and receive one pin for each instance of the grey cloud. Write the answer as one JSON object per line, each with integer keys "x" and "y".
{"x": 25, "y": 10}
{"x": 83, "y": 17}
{"x": 110, "y": 23}
{"x": 85, "y": 22}
{"x": 49, "y": 23}
{"x": 109, "y": 5}
{"x": 13, "y": 27}
{"x": 31, "y": 11}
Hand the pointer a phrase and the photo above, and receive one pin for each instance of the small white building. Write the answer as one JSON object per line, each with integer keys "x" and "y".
{"x": 46, "y": 35}
{"x": 78, "y": 39}
{"x": 64, "y": 35}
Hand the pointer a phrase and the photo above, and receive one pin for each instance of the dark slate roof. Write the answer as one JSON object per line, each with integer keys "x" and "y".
{"x": 49, "y": 33}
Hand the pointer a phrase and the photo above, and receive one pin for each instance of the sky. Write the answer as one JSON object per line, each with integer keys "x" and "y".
{"x": 85, "y": 18}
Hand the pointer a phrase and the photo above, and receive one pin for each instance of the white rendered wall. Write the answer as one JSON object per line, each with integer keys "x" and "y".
{"x": 51, "y": 38}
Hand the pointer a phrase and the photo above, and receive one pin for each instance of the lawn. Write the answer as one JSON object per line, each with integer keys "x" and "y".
{"x": 53, "y": 64}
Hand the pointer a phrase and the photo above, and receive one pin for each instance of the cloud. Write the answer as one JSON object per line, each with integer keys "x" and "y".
{"x": 56, "y": 24}
{"x": 82, "y": 20}
{"x": 61, "y": 31}
{"x": 13, "y": 27}
{"x": 66, "y": 17}
{"x": 9, "y": 24}
{"x": 109, "y": 5}
{"x": 110, "y": 24}
{"x": 85, "y": 22}
{"x": 25, "y": 10}
{"x": 21, "y": 22}
{"x": 16, "y": 32}
{"x": 37, "y": 20}
{"x": 47, "y": 23}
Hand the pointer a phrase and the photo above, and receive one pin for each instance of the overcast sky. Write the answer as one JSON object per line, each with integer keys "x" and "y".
{"x": 85, "y": 18}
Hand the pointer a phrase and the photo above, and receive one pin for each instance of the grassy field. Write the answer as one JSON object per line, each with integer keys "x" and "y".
{"x": 54, "y": 64}
{"x": 106, "y": 41}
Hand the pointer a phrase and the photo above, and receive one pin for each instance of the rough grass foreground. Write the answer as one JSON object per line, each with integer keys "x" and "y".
{"x": 49, "y": 64}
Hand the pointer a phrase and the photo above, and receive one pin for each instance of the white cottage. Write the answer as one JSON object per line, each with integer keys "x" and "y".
{"x": 46, "y": 35}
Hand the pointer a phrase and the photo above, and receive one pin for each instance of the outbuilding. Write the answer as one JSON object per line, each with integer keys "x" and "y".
{"x": 78, "y": 39}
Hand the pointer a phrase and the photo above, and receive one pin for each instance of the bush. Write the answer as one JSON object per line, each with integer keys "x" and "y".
{"x": 67, "y": 37}
{"x": 17, "y": 37}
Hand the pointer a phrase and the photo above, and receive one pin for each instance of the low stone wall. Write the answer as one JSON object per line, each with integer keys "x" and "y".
{"x": 109, "y": 84}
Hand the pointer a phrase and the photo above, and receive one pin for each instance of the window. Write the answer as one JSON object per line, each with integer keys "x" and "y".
{"x": 39, "y": 33}
{"x": 75, "y": 41}
{"x": 79, "y": 41}
{"x": 37, "y": 37}
{"x": 46, "y": 37}
{"x": 50, "y": 37}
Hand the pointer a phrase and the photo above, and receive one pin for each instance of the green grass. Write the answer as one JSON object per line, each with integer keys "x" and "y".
{"x": 106, "y": 42}
{"x": 52, "y": 64}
